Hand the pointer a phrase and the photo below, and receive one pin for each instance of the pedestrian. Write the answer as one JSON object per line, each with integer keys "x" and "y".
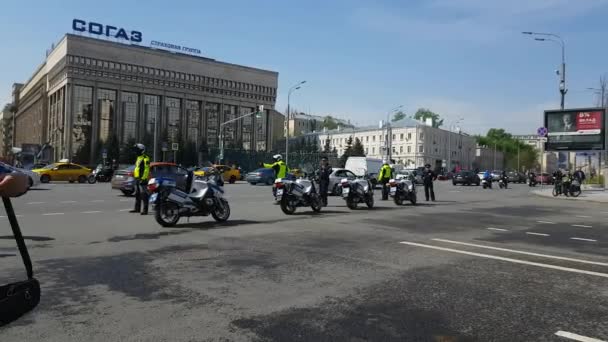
{"x": 141, "y": 173}
{"x": 428, "y": 176}
{"x": 384, "y": 176}
{"x": 325, "y": 171}
{"x": 580, "y": 175}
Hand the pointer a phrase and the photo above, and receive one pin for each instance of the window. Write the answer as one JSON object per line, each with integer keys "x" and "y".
{"x": 212, "y": 111}
{"x": 151, "y": 111}
{"x": 247, "y": 127}
{"x": 81, "y": 129}
{"x": 401, "y": 136}
{"x": 420, "y": 148}
{"x": 106, "y": 100}
{"x": 230, "y": 130}
{"x": 366, "y": 150}
{"x": 409, "y": 136}
{"x": 173, "y": 108}
{"x": 140, "y": 69}
{"x": 373, "y": 150}
{"x": 409, "y": 149}
{"x": 400, "y": 149}
{"x": 421, "y": 136}
{"x": 73, "y": 167}
{"x": 394, "y": 137}
{"x": 193, "y": 114}
{"x": 373, "y": 138}
{"x": 130, "y": 105}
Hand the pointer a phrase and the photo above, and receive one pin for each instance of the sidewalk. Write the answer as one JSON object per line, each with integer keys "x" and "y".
{"x": 587, "y": 195}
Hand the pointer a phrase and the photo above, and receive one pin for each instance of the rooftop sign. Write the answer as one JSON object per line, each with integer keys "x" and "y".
{"x": 109, "y": 31}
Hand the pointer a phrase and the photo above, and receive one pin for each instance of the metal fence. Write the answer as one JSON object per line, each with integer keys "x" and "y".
{"x": 251, "y": 160}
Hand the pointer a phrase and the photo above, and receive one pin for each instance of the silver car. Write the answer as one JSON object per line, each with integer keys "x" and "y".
{"x": 336, "y": 176}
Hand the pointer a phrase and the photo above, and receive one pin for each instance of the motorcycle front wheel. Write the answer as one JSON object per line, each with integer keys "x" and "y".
{"x": 398, "y": 199}
{"x": 555, "y": 192}
{"x": 317, "y": 204}
{"x": 221, "y": 212}
{"x": 92, "y": 179}
{"x": 351, "y": 203}
{"x": 576, "y": 192}
{"x": 413, "y": 199}
{"x": 167, "y": 214}
{"x": 369, "y": 201}
{"x": 287, "y": 206}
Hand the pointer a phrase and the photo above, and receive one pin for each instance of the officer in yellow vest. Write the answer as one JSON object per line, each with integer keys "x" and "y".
{"x": 141, "y": 175}
{"x": 279, "y": 166}
{"x": 386, "y": 173}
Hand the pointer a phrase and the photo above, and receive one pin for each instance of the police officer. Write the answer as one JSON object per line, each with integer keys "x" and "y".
{"x": 386, "y": 173}
{"x": 428, "y": 176}
{"x": 141, "y": 173}
{"x": 324, "y": 172}
{"x": 279, "y": 166}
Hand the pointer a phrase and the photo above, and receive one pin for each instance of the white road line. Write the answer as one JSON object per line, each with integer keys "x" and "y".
{"x": 581, "y": 239}
{"x": 516, "y": 261}
{"x": 97, "y": 201}
{"x": 91, "y": 212}
{"x": 539, "y": 234}
{"x": 52, "y": 214}
{"x": 67, "y": 202}
{"x": 35, "y": 202}
{"x": 546, "y": 222}
{"x": 124, "y": 209}
{"x": 581, "y": 226}
{"x": 498, "y": 229}
{"x": 577, "y": 337}
{"x": 583, "y": 216}
{"x": 522, "y": 252}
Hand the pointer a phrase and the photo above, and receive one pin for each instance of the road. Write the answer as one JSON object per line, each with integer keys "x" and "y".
{"x": 477, "y": 265}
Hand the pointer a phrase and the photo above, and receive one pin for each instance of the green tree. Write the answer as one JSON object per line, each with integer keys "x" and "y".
{"x": 398, "y": 116}
{"x": 424, "y": 113}
{"x": 314, "y": 146}
{"x": 327, "y": 145}
{"x": 330, "y": 123}
{"x": 515, "y": 152}
{"x": 357, "y": 150}
{"x": 347, "y": 152}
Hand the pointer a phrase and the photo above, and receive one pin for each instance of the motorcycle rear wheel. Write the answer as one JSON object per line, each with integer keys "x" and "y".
{"x": 317, "y": 204}
{"x": 413, "y": 199}
{"x": 351, "y": 203}
{"x": 369, "y": 201}
{"x": 221, "y": 212}
{"x": 167, "y": 214}
{"x": 555, "y": 192}
{"x": 575, "y": 193}
{"x": 286, "y": 206}
{"x": 398, "y": 200}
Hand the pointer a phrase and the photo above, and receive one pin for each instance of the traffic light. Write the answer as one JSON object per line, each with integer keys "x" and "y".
{"x": 259, "y": 109}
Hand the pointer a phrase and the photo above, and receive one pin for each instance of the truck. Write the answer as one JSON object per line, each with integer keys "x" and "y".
{"x": 362, "y": 166}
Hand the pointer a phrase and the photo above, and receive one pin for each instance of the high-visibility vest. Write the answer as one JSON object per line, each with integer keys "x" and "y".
{"x": 142, "y": 167}
{"x": 385, "y": 172}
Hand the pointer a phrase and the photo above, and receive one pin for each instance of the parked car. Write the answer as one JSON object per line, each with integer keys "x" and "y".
{"x": 124, "y": 181}
{"x": 544, "y": 178}
{"x": 33, "y": 177}
{"x": 262, "y": 175}
{"x": 63, "y": 172}
{"x": 516, "y": 177}
{"x": 466, "y": 178}
{"x": 336, "y": 177}
{"x": 496, "y": 175}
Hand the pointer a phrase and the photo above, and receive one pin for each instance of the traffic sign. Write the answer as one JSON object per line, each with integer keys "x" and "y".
{"x": 542, "y": 132}
{"x": 174, "y": 146}
{"x": 165, "y": 147}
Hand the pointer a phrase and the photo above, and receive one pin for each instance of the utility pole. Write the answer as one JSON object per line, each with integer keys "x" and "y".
{"x": 258, "y": 112}
{"x": 518, "y": 169}
{"x": 287, "y": 117}
{"x": 494, "y": 168}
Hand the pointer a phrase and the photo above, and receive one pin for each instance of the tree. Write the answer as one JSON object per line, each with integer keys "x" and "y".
{"x": 330, "y": 123}
{"x": 424, "y": 113}
{"x": 515, "y": 152}
{"x": 398, "y": 116}
{"x": 347, "y": 151}
{"x": 327, "y": 145}
{"x": 358, "y": 150}
{"x": 314, "y": 146}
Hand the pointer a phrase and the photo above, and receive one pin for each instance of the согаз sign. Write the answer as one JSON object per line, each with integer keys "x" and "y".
{"x": 106, "y": 30}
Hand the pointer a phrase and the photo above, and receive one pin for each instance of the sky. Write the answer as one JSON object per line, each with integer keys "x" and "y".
{"x": 459, "y": 58}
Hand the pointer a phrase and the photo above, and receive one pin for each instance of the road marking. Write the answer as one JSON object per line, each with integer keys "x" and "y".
{"x": 576, "y": 337}
{"x": 97, "y": 201}
{"x": 498, "y": 229}
{"x": 455, "y": 191}
{"x": 52, "y": 214}
{"x": 91, "y": 212}
{"x": 516, "y": 261}
{"x": 581, "y": 226}
{"x": 539, "y": 234}
{"x": 67, "y": 202}
{"x": 35, "y": 202}
{"x": 583, "y": 216}
{"x": 523, "y": 252}
{"x": 546, "y": 222}
{"x": 124, "y": 209}
{"x": 581, "y": 239}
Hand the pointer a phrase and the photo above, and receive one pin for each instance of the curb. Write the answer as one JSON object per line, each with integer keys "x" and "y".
{"x": 540, "y": 193}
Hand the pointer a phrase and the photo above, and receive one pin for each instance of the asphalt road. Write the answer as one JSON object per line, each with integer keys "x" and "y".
{"x": 477, "y": 265}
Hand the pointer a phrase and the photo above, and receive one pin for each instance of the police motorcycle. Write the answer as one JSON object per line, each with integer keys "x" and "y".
{"x": 355, "y": 191}
{"x": 502, "y": 183}
{"x": 402, "y": 189}
{"x": 101, "y": 174}
{"x": 298, "y": 193}
{"x": 532, "y": 180}
{"x": 203, "y": 196}
{"x": 277, "y": 193}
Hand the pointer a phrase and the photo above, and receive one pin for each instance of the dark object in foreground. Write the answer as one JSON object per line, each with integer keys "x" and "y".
{"x": 17, "y": 299}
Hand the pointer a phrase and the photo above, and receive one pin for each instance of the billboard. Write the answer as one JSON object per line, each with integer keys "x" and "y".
{"x": 575, "y": 129}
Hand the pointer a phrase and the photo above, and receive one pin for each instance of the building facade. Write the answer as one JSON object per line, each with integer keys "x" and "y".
{"x": 88, "y": 91}
{"x": 6, "y": 131}
{"x": 413, "y": 144}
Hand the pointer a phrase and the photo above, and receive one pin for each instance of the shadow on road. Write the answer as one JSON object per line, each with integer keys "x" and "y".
{"x": 32, "y": 238}
{"x": 7, "y": 255}
{"x": 215, "y": 225}
{"x": 39, "y": 189}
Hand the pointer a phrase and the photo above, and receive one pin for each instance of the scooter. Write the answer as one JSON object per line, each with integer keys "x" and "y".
{"x": 357, "y": 191}
{"x": 203, "y": 196}
{"x": 486, "y": 184}
{"x": 402, "y": 190}
{"x": 502, "y": 183}
{"x": 298, "y": 193}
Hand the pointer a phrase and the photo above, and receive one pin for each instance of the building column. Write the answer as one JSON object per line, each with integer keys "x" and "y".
{"x": 94, "y": 125}
{"x": 68, "y": 122}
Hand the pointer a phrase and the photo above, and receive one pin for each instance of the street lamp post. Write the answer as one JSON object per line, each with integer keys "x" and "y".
{"x": 258, "y": 111}
{"x": 388, "y": 142}
{"x": 291, "y": 90}
{"x": 449, "y": 149}
{"x": 601, "y": 92}
{"x": 562, "y": 72}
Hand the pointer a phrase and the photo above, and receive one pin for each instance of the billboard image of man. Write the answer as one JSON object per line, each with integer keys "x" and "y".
{"x": 562, "y": 123}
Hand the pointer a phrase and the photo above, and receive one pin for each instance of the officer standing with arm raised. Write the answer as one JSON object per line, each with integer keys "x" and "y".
{"x": 386, "y": 173}
{"x": 428, "y": 176}
{"x": 141, "y": 175}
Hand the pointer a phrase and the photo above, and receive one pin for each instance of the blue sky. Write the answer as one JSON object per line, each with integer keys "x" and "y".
{"x": 460, "y": 58}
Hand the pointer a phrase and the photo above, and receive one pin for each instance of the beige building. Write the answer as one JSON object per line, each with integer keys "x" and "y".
{"x": 6, "y": 131}
{"x": 87, "y": 90}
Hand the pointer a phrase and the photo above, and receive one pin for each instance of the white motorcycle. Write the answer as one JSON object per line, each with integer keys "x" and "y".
{"x": 403, "y": 190}
{"x": 203, "y": 197}
{"x": 357, "y": 191}
{"x": 297, "y": 193}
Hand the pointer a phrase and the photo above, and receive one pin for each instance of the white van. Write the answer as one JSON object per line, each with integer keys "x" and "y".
{"x": 361, "y": 166}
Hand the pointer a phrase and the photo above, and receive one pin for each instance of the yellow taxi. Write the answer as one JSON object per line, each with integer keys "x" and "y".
{"x": 231, "y": 174}
{"x": 297, "y": 173}
{"x": 63, "y": 172}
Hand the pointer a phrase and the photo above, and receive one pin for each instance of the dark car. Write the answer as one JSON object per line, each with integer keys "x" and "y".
{"x": 124, "y": 181}
{"x": 516, "y": 177}
{"x": 466, "y": 178}
{"x": 263, "y": 176}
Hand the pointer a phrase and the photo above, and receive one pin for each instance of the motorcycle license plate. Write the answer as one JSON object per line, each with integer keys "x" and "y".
{"x": 393, "y": 190}
{"x": 345, "y": 192}
{"x": 279, "y": 192}
{"x": 153, "y": 198}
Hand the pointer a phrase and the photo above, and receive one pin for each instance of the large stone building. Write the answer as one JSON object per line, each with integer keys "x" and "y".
{"x": 6, "y": 131}
{"x": 88, "y": 90}
{"x": 413, "y": 144}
